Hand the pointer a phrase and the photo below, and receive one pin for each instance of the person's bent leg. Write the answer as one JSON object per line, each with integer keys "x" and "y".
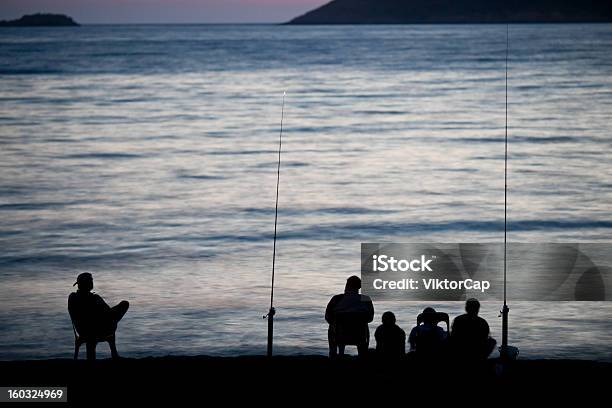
{"x": 119, "y": 310}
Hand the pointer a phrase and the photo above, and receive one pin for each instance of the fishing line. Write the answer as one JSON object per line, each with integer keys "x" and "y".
{"x": 505, "y": 310}
{"x": 272, "y": 311}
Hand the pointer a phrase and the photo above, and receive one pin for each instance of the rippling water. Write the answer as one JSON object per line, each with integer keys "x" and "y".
{"x": 146, "y": 155}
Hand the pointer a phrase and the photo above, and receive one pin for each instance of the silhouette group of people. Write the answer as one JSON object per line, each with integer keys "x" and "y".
{"x": 349, "y": 313}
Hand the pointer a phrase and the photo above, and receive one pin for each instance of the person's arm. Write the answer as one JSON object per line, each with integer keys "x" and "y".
{"x": 403, "y": 342}
{"x": 412, "y": 339}
{"x": 370, "y": 310}
{"x": 486, "y": 329}
{"x": 101, "y": 304}
{"x": 71, "y": 306}
{"x": 330, "y": 312}
{"x": 443, "y": 334}
{"x": 378, "y": 339}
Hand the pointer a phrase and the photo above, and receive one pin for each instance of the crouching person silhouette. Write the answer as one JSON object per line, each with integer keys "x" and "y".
{"x": 348, "y": 315}
{"x": 428, "y": 340}
{"x": 470, "y": 334}
{"x": 390, "y": 339}
{"x": 92, "y": 319}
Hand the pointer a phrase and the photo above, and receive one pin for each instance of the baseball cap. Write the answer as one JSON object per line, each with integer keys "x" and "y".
{"x": 85, "y": 276}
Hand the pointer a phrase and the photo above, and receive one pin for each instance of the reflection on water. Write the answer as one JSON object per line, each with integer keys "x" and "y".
{"x": 146, "y": 155}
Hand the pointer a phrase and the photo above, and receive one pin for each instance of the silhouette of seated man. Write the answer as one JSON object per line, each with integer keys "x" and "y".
{"x": 93, "y": 319}
{"x": 348, "y": 315}
{"x": 390, "y": 338}
{"x": 427, "y": 339}
{"x": 470, "y": 333}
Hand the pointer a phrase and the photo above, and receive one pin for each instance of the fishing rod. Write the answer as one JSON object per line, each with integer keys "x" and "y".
{"x": 272, "y": 311}
{"x": 505, "y": 309}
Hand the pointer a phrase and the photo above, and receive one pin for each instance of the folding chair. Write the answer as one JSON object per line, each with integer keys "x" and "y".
{"x": 79, "y": 340}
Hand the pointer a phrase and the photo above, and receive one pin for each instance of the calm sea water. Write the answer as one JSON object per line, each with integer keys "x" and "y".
{"x": 146, "y": 155}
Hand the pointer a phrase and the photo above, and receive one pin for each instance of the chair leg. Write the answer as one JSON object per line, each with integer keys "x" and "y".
{"x": 333, "y": 347}
{"x": 362, "y": 349}
{"x": 113, "y": 347}
{"x": 91, "y": 350}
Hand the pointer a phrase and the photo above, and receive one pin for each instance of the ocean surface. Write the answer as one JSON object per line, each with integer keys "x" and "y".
{"x": 147, "y": 156}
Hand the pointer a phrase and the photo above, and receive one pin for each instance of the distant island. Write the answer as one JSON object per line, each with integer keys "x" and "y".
{"x": 41, "y": 20}
{"x": 457, "y": 11}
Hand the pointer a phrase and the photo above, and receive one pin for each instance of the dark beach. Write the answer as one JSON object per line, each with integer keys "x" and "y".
{"x": 201, "y": 378}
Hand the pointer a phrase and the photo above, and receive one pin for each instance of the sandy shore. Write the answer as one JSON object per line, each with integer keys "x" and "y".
{"x": 202, "y": 378}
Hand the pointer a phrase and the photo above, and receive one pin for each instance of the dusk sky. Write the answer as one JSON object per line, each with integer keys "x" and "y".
{"x": 163, "y": 11}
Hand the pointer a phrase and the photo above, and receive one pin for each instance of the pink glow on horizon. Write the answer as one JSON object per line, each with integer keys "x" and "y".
{"x": 164, "y": 11}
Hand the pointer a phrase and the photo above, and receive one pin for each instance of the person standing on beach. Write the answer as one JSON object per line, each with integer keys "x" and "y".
{"x": 92, "y": 317}
{"x": 348, "y": 315}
